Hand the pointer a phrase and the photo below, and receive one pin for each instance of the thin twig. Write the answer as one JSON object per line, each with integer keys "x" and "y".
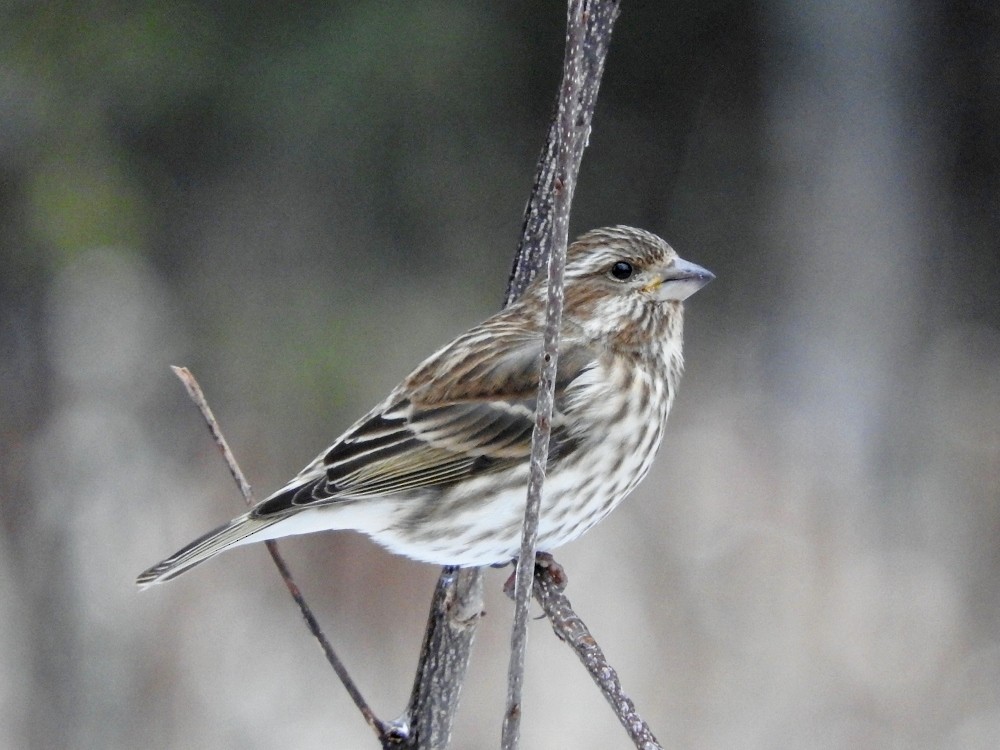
{"x": 570, "y": 628}
{"x": 198, "y": 397}
{"x": 449, "y": 632}
{"x": 572, "y": 129}
{"x": 531, "y": 256}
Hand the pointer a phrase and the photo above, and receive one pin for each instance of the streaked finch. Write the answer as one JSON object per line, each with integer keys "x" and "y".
{"x": 438, "y": 471}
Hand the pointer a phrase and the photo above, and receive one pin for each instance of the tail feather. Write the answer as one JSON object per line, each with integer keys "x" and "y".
{"x": 203, "y": 548}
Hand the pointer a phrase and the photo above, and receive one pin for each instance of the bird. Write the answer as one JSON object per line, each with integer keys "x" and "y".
{"x": 438, "y": 471}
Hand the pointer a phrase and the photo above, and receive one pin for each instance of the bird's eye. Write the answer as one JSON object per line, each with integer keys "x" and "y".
{"x": 622, "y": 270}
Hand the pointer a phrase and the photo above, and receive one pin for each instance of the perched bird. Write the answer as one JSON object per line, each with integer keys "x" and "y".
{"x": 439, "y": 470}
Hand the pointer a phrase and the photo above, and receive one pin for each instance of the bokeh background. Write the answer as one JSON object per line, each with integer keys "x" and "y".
{"x": 301, "y": 201}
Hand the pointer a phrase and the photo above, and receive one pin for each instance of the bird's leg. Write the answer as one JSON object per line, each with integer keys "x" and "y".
{"x": 545, "y": 564}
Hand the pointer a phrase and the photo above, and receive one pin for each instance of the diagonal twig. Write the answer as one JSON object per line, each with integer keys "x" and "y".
{"x": 570, "y": 628}
{"x": 198, "y": 397}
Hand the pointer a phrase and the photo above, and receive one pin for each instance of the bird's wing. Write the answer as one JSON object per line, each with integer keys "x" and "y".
{"x": 467, "y": 411}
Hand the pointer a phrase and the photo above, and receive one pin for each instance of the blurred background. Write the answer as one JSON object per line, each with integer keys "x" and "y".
{"x": 301, "y": 202}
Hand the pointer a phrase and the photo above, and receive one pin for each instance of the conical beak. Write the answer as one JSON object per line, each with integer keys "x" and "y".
{"x": 680, "y": 280}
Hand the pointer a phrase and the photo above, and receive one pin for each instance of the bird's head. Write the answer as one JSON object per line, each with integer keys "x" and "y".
{"x": 627, "y": 284}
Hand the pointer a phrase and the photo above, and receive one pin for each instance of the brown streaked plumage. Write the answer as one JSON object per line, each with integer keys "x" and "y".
{"x": 438, "y": 470}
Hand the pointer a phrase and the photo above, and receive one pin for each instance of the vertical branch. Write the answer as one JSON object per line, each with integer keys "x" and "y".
{"x": 532, "y": 249}
{"x": 567, "y": 140}
{"x": 457, "y": 602}
{"x": 456, "y": 608}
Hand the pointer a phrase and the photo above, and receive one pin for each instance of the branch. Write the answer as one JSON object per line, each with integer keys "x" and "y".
{"x": 568, "y": 138}
{"x": 197, "y": 395}
{"x": 549, "y": 585}
{"x": 455, "y": 611}
{"x": 448, "y": 638}
{"x": 532, "y": 250}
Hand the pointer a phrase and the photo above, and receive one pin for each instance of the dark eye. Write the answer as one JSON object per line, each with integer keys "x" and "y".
{"x": 622, "y": 270}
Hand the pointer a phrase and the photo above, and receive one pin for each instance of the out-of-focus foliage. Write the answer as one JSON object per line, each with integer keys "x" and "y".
{"x": 301, "y": 201}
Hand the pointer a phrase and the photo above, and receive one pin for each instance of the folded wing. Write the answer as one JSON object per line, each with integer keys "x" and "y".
{"x": 468, "y": 411}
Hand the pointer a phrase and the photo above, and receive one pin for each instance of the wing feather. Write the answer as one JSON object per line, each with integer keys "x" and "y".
{"x": 467, "y": 411}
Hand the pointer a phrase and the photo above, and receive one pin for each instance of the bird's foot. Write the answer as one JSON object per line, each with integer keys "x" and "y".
{"x": 546, "y": 565}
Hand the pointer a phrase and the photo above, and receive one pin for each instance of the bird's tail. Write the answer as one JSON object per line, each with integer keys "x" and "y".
{"x": 201, "y": 549}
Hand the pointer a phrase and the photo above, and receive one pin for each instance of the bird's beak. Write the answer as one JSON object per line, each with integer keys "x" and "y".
{"x": 679, "y": 281}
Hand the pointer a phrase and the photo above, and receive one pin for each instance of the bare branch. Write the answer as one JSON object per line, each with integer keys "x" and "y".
{"x": 568, "y": 139}
{"x": 446, "y": 633}
{"x": 570, "y": 628}
{"x": 532, "y": 250}
{"x": 455, "y": 611}
{"x": 198, "y": 397}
